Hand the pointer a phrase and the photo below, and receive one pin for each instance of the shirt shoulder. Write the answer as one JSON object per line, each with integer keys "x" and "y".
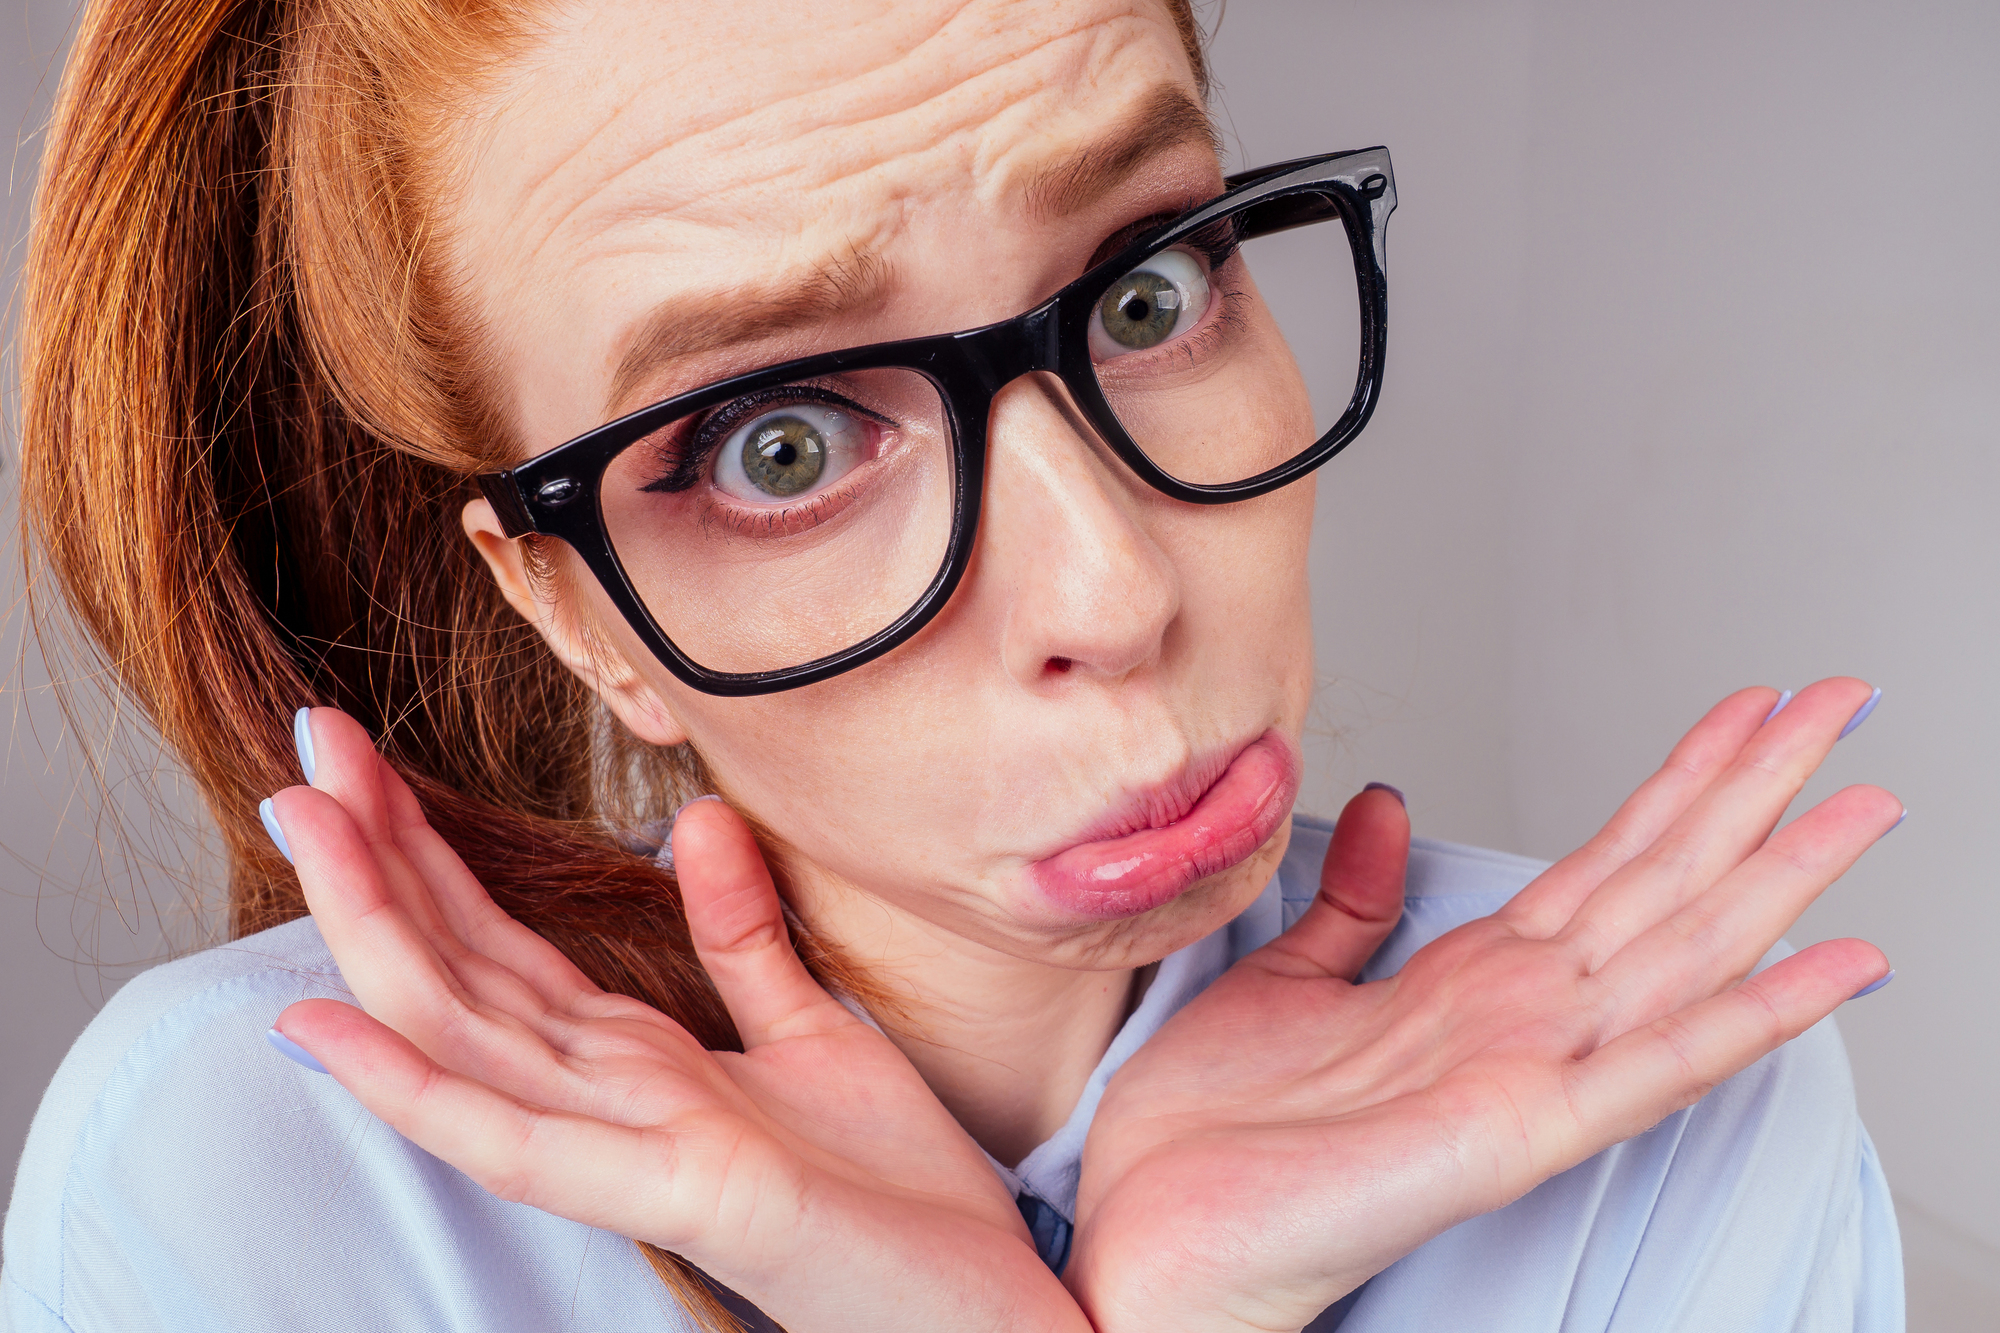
{"x": 181, "y": 1174}
{"x": 133, "y": 1045}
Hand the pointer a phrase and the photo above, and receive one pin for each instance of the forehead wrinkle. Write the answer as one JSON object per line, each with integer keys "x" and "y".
{"x": 722, "y": 137}
{"x": 821, "y": 120}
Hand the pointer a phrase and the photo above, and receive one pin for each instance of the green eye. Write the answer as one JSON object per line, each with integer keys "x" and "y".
{"x": 1140, "y": 310}
{"x": 784, "y": 455}
{"x": 1149, "y": 306}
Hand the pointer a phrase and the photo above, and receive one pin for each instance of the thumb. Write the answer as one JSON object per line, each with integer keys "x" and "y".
{"x": 1360, "y": 895}
{"x": 739, "y": 931}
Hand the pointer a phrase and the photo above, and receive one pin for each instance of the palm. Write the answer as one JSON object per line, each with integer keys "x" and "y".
{"x": 1289, "y": 1133}
{"x": 485, "y": 1046}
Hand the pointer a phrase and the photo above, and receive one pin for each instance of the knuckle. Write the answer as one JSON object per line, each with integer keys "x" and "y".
{"x": 1677, "y": 852}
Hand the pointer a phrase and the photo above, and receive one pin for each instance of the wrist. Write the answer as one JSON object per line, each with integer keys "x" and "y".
{"x": 842, "y": 1264}
{"x": 1176, "y": 1296}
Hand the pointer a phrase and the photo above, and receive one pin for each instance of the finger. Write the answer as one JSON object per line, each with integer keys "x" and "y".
{"x": 470, "y": 913}
{"x": 429, "y": 881}
{"x": 576, "y": 1166}
{"x": 739, "y": 931}
{"x": 390, "y": 963}
{"x": 1632, "y": 1083}
{"x": 1360, "y": 895}
{"x": 350, "y": 770}
{"x": 1721, "y": 827}
{"x": 1547, "y": 905}
{"x": 1715, "y": 940}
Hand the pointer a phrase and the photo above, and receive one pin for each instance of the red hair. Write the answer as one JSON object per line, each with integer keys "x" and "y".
{"x": 249, "y": 416}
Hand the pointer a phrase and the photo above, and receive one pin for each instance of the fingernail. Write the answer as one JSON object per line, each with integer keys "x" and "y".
{"x": 287, "y": 1047}
{"x": 302, "y": 739}
{"x": 664, "y": 858}
{"x": 1899, "y": 822}
{"x": 1783, "y": 699}
{"x": 696, "y": 801}
{"x": 1396, "y": 792}
{"x": 1862, "y": 715}
{"x": 1874, "y": 986}
{"x": 269, "y": 814}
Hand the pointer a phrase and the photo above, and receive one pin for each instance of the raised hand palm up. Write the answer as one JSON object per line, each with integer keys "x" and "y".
{"x": 814, "y": 1172}
{"x": 1289, "y": 1133}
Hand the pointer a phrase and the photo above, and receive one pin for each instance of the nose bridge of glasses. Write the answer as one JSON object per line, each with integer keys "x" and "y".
{"x": 1002, "y": 353}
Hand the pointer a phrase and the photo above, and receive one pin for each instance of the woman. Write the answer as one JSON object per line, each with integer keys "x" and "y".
{"x": 994, "y": 646}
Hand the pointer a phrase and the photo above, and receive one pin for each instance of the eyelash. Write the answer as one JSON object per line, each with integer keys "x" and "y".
{"x": 1216, "y": 245}
{"x": 684, "y": 471}
{"x": 1216, "y": 242}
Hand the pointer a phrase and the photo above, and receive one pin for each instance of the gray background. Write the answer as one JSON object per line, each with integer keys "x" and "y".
{"x": 1695, "y": 383}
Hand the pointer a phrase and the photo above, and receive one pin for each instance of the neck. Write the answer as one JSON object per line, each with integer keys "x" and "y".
{"x": 1006, "y": 1043}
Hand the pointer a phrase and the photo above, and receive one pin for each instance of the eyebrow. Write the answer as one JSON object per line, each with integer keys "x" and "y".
{"x": 1168, "y": 118}
{"x": 705, "y": 323}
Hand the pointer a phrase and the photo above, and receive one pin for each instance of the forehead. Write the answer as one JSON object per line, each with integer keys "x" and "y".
{"x": 636, "y": 149}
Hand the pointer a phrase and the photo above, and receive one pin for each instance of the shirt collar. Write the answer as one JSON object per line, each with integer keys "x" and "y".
{"x": 1051, "y": 1171}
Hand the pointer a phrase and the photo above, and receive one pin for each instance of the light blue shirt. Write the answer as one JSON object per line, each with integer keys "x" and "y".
{"x": 181, "y": 1175}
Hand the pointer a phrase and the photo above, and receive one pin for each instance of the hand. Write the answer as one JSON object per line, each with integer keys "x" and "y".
{"x": 814, "y": 1173}
{"x": 1289, "y": 1134}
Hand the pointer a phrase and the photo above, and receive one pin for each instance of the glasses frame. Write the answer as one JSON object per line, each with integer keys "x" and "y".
{"x": 557, "y": 493}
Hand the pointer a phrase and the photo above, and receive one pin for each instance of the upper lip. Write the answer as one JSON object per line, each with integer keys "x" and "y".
{"x": 1164, "y": 802}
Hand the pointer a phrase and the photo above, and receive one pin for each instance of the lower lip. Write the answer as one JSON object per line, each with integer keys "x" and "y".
{"x": 1121, "y": 877}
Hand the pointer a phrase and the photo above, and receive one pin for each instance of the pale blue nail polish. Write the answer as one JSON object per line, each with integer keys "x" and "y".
{"x": 286, "y": 1046}
{"x": 1396, "y": 792}
{"x": 1862, "y": 715}
{"x": 302, "y": 739}
{"x": 1783, "y": 699}
{"x": 664, "y": 858}
{"x": 683, "y": 810}
{"x": 267, "y": 813}
{"x": 1899, "y": 822}
{"x": 1874, "y": 986}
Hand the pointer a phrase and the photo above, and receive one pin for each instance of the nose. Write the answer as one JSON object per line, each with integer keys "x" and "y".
{"x": 1079, "y": 586}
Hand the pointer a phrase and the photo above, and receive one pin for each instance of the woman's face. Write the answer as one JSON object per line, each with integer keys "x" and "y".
{"x": 1088, "y": 758}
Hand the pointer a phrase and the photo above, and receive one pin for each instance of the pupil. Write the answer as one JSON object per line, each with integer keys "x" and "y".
{"x": 786, "y": 455}
{"x": 1136, "y": 308}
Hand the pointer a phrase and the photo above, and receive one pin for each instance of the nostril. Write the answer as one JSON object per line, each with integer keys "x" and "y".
{"x": 1059, "y": 665}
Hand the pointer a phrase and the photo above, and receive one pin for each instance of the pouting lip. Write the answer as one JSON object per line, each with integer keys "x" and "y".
{"x": 1226, "y": 821}
{"x": 1163, "y": 803}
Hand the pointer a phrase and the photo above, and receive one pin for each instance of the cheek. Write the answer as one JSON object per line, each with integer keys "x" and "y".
{"x": 858, "y": 770}
{"x": 1245, "y": 597}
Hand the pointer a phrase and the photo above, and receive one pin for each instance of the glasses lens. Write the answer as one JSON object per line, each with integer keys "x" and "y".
{"x": 789, "y": 524}
{"x": 1233, "y": 352}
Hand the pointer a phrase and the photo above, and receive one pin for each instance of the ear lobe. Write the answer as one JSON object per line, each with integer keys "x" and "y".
{"x": 642, "y": 710}
{"x": 597, "y": 664}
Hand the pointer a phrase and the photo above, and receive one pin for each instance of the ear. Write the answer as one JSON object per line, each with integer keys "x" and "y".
{"x": 563, "y": 625}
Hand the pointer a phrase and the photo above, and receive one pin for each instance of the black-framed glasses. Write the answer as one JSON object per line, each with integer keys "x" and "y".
{"x": 777, "y": 528}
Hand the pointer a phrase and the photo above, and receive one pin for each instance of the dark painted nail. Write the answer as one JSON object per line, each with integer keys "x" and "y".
{"x": 286, "y": 1046}
{"x": 1393, "y": 791}
{"x": 1874, "y": 986}
{"x": 1861, "y": 715}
